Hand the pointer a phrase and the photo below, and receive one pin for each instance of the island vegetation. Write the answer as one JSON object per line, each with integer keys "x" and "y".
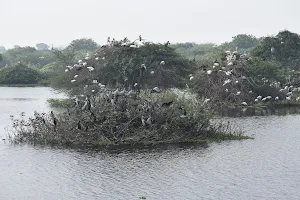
{"x": 131, "y": 92}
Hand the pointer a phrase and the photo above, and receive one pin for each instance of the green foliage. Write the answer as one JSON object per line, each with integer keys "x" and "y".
{"x": 120, "y": 66}
{"x": 42, "y": 46}
{"x": 283, "y": 48}
{"x": 20, "y": 74}
{"x": 83, "y": 44}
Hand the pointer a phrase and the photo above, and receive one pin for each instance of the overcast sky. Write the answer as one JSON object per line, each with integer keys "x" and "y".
{"x": 58, "y": 22}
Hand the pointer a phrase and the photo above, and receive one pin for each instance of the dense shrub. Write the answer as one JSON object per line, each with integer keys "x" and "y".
{"x": 20, "y": 74}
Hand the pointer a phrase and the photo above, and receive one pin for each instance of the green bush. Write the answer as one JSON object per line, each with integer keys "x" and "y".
{"x": 20, "y": 74}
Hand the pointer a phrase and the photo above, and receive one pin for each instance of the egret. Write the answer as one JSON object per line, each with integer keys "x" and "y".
{"x": 250, "y": 92}
{"x": 76, "y": 76}
{"x": 264, "y": 99}
{"x": 238, "y": 93}
{"x": 66, "y": 70}
{"x": 97, "y": 58}
{"x": 155, "y": 90}
{"x": 244, "y": 103}
{"x": 216, "y": 63}
{"x": 206, "y": 100}
{"x": 228, "y": 73}
{"x": 269, "y": 97}
{"x": 259, "y": 97}
{"x": 84, "y": 64}
{"x": 103, "y": 58}
{"x": 136, "y": 84}
{"x": 152, "y": 72}
{"x": 162, "y": 63}
{"x": 256, "y": 100}
{"x": 276, "y": 98}
{"x": 95, "y": 81}
{"x": 209, "y": 72}
{"x": 72, "y": 81}
{"x": 230, "y": 64}
{"x": 236, "y": 81}
{"x": 191, "y": 78}
{"x": 143, "y": 67}
{"x": 91, "y": 69}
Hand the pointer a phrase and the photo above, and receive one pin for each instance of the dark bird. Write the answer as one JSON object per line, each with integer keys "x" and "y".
{"x": 167, "y": 43}
{"x": 140, "y": 37}
{"x": 79, "y": 127}
{"x": 167, "y": 104}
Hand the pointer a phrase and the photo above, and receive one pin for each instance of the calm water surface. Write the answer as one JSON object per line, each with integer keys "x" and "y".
{"x": 267, "y": 167}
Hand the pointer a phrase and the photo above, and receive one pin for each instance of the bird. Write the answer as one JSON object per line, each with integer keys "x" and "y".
{"x": 136, "y": 84}
{"x": 148, "y": 121}
{"x": 238, "y": 93}
{"x": 76, "y": 76}
{"x": 259, "y": 97}
{"x": 143, "y": 121}
{"x": 167, "y": 43}
{"x": 244, "y": 103}
{"x": 206, "y": 100}
{"x": 162, "y": 63}
{"x": 216, "y": 63}
{"x": 155, "y": 90}
{"x": 167, "y": 104}
{"x": 191, "y": 78}
{"x": 90, "y": 68}
{"x": 79, "y": 127}
{"x": 72, "y": 81}
{"x": 95, "y": 81}
{"x": 66, "y": 70}
{"x": 209, "y": 72}
{"x": 152, "y": 72}
{"x": 288, "y": 98}
{"x": 276, "y": 98}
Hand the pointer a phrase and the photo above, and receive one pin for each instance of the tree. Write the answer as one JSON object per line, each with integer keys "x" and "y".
{"x": 283, "y": 48}
{"x": 42, "y": 46}
{"x": 19, "y": 74}
{"x": 83, "y": 44}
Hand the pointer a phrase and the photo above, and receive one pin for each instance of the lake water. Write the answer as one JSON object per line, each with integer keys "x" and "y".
{"x": 267, "y": 167}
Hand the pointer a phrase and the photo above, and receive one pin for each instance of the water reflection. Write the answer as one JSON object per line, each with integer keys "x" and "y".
{"x": 266, "y": 167}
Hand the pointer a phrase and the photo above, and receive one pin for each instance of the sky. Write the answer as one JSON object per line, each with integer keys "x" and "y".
{"x": 58, "y": 22}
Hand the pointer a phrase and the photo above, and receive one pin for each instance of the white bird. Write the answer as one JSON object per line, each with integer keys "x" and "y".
{"x": 216, "y": 64}
{"x": 236, "y": 82}
{"x": 84, "y": 64}
{"x": 269, "y": 97}
{"x": 162, "y": 63}
{"x": 289, "y": 93}
{"x": 95, "y": 81}
{"x": 148, "y": 121}
{"x": 152, "y": 72}
{"x": 272, "y": 49}
{"x": 206, "y": 100}
{"x": 143, "y": 66}
{"x": 70, "y": 67}
{"x": 276, "y": 98}
{"x": 264, "y": 99}
{"x": 191, "y": 78}
{"x": 72, "y": 81}
{"x": 226, "y": 90}
{"x": 209, "y": 71}
{"x": 93, "y": 90}
{"x": 91, "y": 69}
{"x": 228, "y": 73}
{"x": 76, "y": 76}
{"x": 226, "y": 81}
{"x": 238, "y": 93}
{"x": 256, "y": 100}
{"x": 155, "y": 90}
{"x": 244, "y": 77}
{"x": 86, "y": 58}
{"x": 259, "y": 97}
{"x": 230, "y": 64}
{"x": 66, "y": 70}
{"x": 244, "y": 103}
{"x": 80, "y": 61}
{"x": 250, "y": 92}
{"x": 101, "y": 85}
{"x": 136, "y": 84}
{"x": 288, "y": 98}
{"x": 103, "y": 58}
{"x": 97, "y": 58}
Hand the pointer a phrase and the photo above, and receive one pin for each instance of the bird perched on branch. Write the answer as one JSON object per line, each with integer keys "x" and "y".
{"x": 156, "y": 90}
